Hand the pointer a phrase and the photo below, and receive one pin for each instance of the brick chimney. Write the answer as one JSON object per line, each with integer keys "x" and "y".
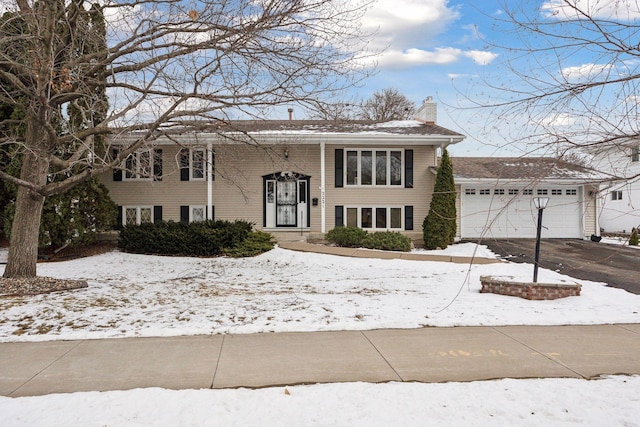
{"x": 428, "y": 111}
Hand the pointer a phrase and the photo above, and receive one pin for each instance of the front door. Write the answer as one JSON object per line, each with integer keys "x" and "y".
{"x": 285, "y": 200}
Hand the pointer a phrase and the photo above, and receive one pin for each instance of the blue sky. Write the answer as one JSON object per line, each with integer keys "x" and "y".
{"x": 448, "y": 49}
{"x": 435, "y": 48}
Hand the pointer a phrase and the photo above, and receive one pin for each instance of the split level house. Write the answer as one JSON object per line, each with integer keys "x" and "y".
{"x": 299, "y": 179}
{"x": 291, "y": 178}
{"x": 620, "y": 195}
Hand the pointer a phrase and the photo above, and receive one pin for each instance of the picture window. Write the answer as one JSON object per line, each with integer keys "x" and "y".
{"x": 374, "y": 168}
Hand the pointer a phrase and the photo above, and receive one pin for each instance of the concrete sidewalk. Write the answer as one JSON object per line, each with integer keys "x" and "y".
{"x": 371, "y": 253}
{"x": 271, "y": 359}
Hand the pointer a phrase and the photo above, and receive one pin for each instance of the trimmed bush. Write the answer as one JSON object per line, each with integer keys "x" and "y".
{"x": 348, "y": 237}
{"x": 257, "y": 242}
{"x": 387, "y": 241}
{"x": 207, "y": 238}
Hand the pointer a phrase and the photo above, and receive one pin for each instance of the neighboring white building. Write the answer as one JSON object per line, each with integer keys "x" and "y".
{"x": 620, "y": 196}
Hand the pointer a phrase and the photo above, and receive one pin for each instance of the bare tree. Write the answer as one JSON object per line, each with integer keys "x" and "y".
{"x": 168, "y": 66}
{"x": 337, "y": 111}
{"x": 388, "y": 104}
{"x": 571, "y": 77}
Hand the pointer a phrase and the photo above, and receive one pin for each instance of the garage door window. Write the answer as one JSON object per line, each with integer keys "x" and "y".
{"x": 498, "y": 191}
{"x": 513, "y": 191}
{"x": 470, "y": 191}
{"x": 542, "y": 192}
{"x": 571, "y": 192}
{"x": 485, "y": 192}
{"x": 527, "y": 192}
{"x": 556, "y": 192}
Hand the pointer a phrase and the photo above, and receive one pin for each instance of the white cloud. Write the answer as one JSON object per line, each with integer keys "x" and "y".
{"x": 392, "y": 15}
{"x": 619, "y": 10}
{"x": 411, "y": 57}
{"x": 481, "y": 57}
{"x": 439, "y": 56}
{"x": 559, "y": 119}
{"x": 404, "y": 28}
{"x": 585, "y": 71}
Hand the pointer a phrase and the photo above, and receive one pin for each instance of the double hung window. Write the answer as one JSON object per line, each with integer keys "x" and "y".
{"x": 194, "y": 164}
{"x": 139, "y": 165}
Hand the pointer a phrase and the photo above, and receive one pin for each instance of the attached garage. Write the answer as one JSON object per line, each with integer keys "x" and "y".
{"x": 496, "y": 198}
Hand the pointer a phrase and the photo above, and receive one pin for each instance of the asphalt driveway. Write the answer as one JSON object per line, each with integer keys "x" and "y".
{"x": 616, "y": 265}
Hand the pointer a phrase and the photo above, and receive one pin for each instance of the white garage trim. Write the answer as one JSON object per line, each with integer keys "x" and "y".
{"x": 507, "y": 211}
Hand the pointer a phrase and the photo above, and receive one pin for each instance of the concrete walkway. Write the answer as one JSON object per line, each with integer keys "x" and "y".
{"x": 370, "y": 253}
{"x": 270, "y": 359}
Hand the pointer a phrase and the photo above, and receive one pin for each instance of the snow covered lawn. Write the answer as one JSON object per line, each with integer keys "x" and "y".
{"x": 141, "y": 295}
{"x": 137, "y": 295}
{"x": 613, "y": 401}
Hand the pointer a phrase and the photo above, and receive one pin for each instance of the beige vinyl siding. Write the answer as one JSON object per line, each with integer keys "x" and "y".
{"x": 419, "y": 196}
{"x": 238, "y": 189}
{"x": 170, "y": 192}
{"x": 238, "y": 184}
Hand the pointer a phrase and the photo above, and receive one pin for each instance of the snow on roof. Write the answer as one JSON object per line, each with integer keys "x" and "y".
{"x": 518, "y": 168}
{"x": 395, "y": 127}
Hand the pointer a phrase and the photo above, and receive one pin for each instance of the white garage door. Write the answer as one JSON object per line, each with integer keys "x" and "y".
{"x": 510, "y": 213}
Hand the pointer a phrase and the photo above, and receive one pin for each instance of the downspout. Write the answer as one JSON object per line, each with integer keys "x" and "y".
{"x": 209, "y": 181}
{"x": 323, "y": 215}
{"x": 598, "y": 208}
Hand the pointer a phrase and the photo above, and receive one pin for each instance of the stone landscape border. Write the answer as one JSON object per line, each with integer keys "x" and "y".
{"x": 528, "y": 290}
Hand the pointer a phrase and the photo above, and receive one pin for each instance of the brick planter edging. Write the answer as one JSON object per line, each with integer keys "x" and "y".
{"x": 528, "y": 290}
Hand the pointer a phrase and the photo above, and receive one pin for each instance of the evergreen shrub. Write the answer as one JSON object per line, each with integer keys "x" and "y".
{"x": 348, "y": 237}
{"x": 387, "y": 241}
{"x": 634, "y": 239}
{"x": 206, "y": 238}
{"x": 439, "y": 226}
{"x": 257, "y": 242}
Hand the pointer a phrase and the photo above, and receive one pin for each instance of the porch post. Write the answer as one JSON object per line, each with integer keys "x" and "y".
{"x": 323, "y": 226}
{"x": 209, "y": 180}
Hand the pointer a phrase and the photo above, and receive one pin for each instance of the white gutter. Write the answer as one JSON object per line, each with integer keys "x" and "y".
{"x": 323, "y": 214}
{"x": 209, "y": 180}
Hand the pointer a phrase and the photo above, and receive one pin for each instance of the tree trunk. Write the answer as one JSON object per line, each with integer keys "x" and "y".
{"x": 25, "y": 230}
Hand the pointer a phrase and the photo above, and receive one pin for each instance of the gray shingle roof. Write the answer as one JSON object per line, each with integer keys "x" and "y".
{"x": 399, "y": 127}
{"x": 518, "y": 168}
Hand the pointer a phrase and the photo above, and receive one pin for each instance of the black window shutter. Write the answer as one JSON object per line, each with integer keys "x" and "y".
{"x": 408, "y": 168}
{"x": 119, "y": 220}
{"x": 339, "y": 216}
{"x": 157, "y": 214}
{"x": 184, "y": 165}
{"x": 213, "y": 213}
{"x": 184, "y": 213}
{"x": 157, "y": 165}
{"x": 408, "y": 217}
{"x": 339, "y": 167}
{"x": 117, "y": 173}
